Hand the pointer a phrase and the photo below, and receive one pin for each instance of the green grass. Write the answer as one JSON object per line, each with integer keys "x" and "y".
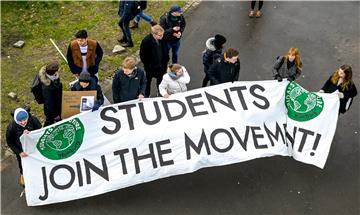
{"x": 36, "y": 23}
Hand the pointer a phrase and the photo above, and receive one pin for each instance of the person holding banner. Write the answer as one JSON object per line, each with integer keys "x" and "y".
{"x": 84, "y": 54}
{"x": 23, "y": 122}
{"x": 129, "y": 82}
{"x": 174, "y": 81}
{"x": 288, "y": 66}
{"x": 88, "y": 83}
{"x": 226, "y": 68}
{"x": 341, "y": 80}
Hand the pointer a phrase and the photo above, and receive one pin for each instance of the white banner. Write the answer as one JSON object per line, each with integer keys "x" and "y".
{"x": 135, "y": 142}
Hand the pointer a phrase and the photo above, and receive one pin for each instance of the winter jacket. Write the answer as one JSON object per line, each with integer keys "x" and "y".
{"x": 281, "y": 69}
{"x": 52, "y": 93}
{"x": 93, "y": 85}
{"x": 167, "y": 24}
{"x": 170, "y": 86}
{"x": 349, "y": 94}
{"x": 222, "y": 71}
{"x": 14, "y": 132}
{"x": 153, "y": 65}
{"x": 210, "y": 54}
{"x": 93, "y": 57}
{"x": 128, "y": 9}
{"x": 126, "y": 88}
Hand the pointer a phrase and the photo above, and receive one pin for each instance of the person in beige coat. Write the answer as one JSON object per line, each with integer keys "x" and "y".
{"x": 174, "y": 81}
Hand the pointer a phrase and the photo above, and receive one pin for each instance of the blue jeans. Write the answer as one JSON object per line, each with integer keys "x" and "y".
{"x": 174, "y": 46}
{"x": 142, "y": 15}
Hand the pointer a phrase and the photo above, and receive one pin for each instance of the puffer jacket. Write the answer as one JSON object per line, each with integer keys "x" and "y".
{"x": 170, "y": 86}
{"x": 210, "y": 54}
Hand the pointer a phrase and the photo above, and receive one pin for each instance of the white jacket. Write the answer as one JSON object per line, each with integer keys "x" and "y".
{"x": 170, "y": 86}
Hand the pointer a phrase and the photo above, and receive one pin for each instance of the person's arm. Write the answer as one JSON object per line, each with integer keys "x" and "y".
{"x": 163, "y": 86}
{"x": 182, "y": 24}
{"x": 99, "y": 55}
{"x": 212, "y": 72}
{"x": 116, "y": 88}
{"x": 237, "y": 71}
{"x": 11, "y": 140}
{"x": 185, "y": 78}
{"x": 276, "y": 67}
{"x": 167, "y": 28}
{"x": 37, "y": 124}
{"x": 350, "y": 93}
{"x": 99, "y": 98}
{"x": 49, "y": 103}
{"x": 70, "y": 60}
{"x": 326, "y": 86}
{"x": 144, "y": 52}
{"x": 143, "y": 84}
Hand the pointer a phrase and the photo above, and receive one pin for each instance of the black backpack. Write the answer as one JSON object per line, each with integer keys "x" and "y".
{"x": 136, "y": 8}
{"x": 36, "y": 89}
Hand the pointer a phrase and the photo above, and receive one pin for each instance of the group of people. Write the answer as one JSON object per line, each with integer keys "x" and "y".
{"x": 132, "y": 82}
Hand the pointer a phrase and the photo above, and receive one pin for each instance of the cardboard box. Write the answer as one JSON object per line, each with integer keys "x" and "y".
{"x": 71, "y": 100}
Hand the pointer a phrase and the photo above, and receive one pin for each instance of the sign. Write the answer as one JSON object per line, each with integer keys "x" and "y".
{"x": 135, "y": 142}
{"x": 70, "y": 104}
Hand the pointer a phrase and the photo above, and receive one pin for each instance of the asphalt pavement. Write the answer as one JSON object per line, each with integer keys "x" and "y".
{"x": 328, "y": 35}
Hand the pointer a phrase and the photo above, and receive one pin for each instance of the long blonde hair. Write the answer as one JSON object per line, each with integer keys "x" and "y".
{"x": 345, "y": 85}
{"x": 294, "y": 51}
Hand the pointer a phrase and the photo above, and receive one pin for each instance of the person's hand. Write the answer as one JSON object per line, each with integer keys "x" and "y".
{"x": 141, "y": 97}
{"x": 26, "y": 131}
{"x": 321, "y": 91}
{"x": 291, "y": 78}
{"x": 95, "y": 108}
{"x": 278, "y": 78}
{"x": 23, "y": 154}
{"x": 341, "y": 95}
{"x": 166, "y": 95}
{"x": 57, "y": 119}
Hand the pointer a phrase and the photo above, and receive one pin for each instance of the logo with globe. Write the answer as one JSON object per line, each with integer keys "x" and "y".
{"x": 61, "y": 141}
{"x": 301, "y": 104}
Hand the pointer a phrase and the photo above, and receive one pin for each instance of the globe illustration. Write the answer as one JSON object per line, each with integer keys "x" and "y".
{"x": 301, "y": 100}
{"x": 61, "y": 138}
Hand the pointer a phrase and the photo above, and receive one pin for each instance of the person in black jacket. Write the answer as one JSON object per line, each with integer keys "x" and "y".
{"x": 154, "y": 54}
{"x": 127, "y": 11}
{"x": 212, "y": 52}
{"x": 174, "y": 24}
{"x": 129, "y": 82}
{"x": 88, "y": 83}
{"x": 84, "y": 54}
{"x": 52, "y": 92}
{"x": 23, "y": 123}
{"x": 341, "y": 80}
{"x": 226, "y": 68}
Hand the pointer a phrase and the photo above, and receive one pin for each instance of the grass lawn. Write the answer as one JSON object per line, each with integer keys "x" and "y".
{"x": 37, "y": 22}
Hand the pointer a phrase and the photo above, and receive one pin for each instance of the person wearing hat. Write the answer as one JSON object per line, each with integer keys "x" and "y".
{"x": 213, "y": 50}
{"x": 174, "y": 24}
{"x": 88, "y": 83}
{"x": 84, "y": 54}
{"x": 52, "y": 92}
{"x": 23, "y": 122}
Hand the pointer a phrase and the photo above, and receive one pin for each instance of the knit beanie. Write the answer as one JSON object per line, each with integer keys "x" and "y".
{"x": 52, "y": 67}
{"x": 20, "y": 114}
{"x": 219, "y": 41}
{"x": 84, "y": 77}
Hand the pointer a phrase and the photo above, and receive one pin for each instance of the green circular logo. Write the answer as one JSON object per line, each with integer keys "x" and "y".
{"x": 301, "y": 104}
{"x": 61, "y": 141}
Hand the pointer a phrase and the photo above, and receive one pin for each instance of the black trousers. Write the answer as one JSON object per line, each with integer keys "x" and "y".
{"x": 259, "y": 6}
{"x": 124, "y": 24}
{"x": 148, "y": 83}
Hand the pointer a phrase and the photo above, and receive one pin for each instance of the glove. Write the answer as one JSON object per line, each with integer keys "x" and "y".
{"x": 278, "y": 77}
{"x": 291, "y": 78}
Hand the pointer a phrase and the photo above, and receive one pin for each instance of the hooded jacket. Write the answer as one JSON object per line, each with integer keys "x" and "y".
{"x": 222, "y": 71}
{"x": 52, "y": 93}
{"x": 93, "y": 85}
{"x": 170, "y": 86}
{"x": 210, "y": 53}
{"x": 126, "y": 88}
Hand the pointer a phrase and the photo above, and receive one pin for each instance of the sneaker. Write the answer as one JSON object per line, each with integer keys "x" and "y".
{"x": 152, "y": 23}
{"x": 134, "y": 25}
{"x": 127, "y": 44}
{"x": 123, "y": 40}
{"x": 258, "y": 14}
{"x": 251, "y": 14}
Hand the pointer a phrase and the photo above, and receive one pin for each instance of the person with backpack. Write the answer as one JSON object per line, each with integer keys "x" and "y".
{"x": 88, "y": 83}
{"x": 23, "y": 122}
{"x": 174, "y": 81}
{"x": 84, "y": 54}
{"x": 226, "y": 68}
{"x": 127, "y": 11}
{"x": 173, "y": 22}
{"x": 129, "y": 82}
{"x": 51, "y": 91}
{"x": 142, "y": 15}
{"x": 212, "y": 52}
{"x": 288, "y": 66}
{"x": 341, "y": 81}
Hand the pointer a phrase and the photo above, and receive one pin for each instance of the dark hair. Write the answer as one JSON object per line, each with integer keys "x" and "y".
{"x": 231, "y": 53}
{"x": 81, "y": 34}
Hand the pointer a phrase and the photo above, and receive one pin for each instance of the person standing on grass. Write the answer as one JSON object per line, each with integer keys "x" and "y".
{"x": 84, "y": 54}
{"x": 23, "y": 122}
{"x": 127, "y": 11}
{"x": 142, "y": 15}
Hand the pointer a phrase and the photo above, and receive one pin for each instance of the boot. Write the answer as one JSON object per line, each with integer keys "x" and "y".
{"x": 127, "y": 44}
{"x": 122, "y": 40}
{"x": 152, "y": 23}
{"x": 134, "y": 25}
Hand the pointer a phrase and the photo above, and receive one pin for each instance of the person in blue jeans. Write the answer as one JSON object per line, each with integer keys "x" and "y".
{"x": 173, "y": 22}
{"x": 142, "y": 15}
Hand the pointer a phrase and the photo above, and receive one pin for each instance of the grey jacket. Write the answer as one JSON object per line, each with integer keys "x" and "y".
{"x": 280, "y": 68}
